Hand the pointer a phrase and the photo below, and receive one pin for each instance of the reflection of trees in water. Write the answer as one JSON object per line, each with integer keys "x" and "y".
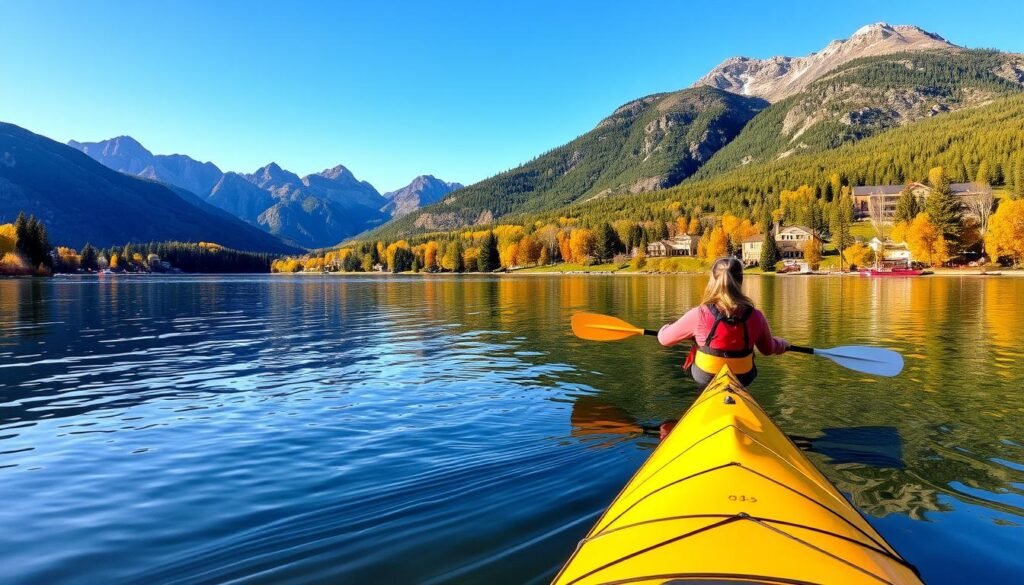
{"x": 880, "y": 492}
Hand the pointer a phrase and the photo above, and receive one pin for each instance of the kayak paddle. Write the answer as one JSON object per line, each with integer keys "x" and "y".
{"x": 859, "y": 358}
{"x": 594, "y": 327}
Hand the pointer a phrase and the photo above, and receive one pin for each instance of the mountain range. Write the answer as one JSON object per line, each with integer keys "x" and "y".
{"x": 318, "y": 210}
{"x": 743, "y": 113}
{"x": 80, "y": 200}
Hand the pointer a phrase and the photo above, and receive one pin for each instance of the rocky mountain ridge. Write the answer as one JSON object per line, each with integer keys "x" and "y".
{"x": 423, "y": 190}
{"x": 777, "y": 78}
{"x": 317, "y": 210}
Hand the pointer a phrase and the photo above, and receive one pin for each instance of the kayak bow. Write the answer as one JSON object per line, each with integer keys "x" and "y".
{"x": 728, "y": 498}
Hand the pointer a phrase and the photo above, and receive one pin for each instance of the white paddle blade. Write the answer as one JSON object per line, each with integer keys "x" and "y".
{"x": 870, "y": 360}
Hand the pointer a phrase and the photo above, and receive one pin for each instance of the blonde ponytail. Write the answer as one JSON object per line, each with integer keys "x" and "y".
{"x": 725, "y": 287}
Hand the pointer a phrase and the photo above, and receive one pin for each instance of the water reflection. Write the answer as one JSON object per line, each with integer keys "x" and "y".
{"x": 312, "y": 428}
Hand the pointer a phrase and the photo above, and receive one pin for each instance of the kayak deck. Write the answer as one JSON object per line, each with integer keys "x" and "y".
{"x": 728, "y": 498}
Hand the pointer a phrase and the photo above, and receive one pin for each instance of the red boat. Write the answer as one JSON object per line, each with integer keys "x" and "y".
{"x": 892, "y": 272}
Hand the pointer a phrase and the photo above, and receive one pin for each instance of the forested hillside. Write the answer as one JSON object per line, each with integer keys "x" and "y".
{"x": 866, "y": 97}
{"x": 960, "y": 142}
{"x": 647, "y": 144}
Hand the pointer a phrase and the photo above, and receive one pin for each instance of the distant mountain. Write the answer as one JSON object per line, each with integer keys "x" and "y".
{"x": 777, "y": 78}
{"x": 237, "y": 195}
{"x": 423, "y": 190}
{"x": 126, "y": 155}
{"x": 648, "y": 144}
{"x": 314, "y": 211}
{"x": 81, "y": 200}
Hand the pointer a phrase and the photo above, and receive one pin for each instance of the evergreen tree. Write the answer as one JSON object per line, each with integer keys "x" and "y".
{"x": 89, "y": 260}
{"x": 607, "y": 242}
{"x": 984, "y": 174}
{"x": 1017, "y": 174}
{"x": 907, "y": 206}
{"x": 660, "y": 230}
{"x": 943, "y": 207}
{"x": 352, "y": 262}
{"x": 21, "y": 234}
{"x": 839, "y": 223}
{"x": 488, "y": 261}
{"x": 403, "y": 260}
{"x": 769, "y": 251}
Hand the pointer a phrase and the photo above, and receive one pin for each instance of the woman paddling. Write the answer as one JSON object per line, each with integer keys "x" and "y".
{"x": 725, "y": 328}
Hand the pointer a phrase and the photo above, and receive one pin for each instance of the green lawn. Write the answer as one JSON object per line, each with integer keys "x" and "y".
{"x": 564, "y": 267}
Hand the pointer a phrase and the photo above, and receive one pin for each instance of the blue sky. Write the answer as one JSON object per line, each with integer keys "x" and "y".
{"x": 461, "y": 90}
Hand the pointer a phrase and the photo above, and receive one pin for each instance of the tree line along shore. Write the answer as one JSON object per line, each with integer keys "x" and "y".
{"x": 25, "y": 250}
{"x": 939, "y": 230}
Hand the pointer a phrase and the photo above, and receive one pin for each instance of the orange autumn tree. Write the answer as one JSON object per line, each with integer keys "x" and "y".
{"x": 1005, "y": 236}
{"x": 581, "y": 243}
{"x": 717, "y": 244}
{"x": 926, "y": 242}
{"x": 430, "y": 256}
{"x": 564, "y": 249}
{"x": 507, "y": 254}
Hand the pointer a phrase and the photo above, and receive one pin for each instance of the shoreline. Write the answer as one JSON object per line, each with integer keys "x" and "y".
{"x": 943, "y": 272}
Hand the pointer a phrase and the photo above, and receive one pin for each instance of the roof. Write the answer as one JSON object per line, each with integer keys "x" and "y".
{"x": 799, "y": 227}
{"x": 956, "y": 188}
{"x": 878, "y": 190}
{"x": 963, "y": 188}
{"x": 753, "y": 238}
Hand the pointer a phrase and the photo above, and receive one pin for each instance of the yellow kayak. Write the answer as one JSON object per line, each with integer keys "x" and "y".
{"x": 728, "y": 498}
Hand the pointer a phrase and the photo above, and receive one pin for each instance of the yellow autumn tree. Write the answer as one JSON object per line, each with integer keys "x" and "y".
{"x": 1005, "y": 236}
{"x": 115, "y": 262}
{"x": 812, "y": 253}
{"x": 470, "y": 256}
{"x": 8, "y": 238}
{"x": 899, "y": 232}
{"x": 694, "y": 228}
{"x": 682, "y": 225}
{"x": 858, "y": 255}
{"x": 925, "y": 241}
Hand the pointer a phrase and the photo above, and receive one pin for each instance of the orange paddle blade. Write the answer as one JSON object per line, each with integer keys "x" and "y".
{"x": 594, "y": 327}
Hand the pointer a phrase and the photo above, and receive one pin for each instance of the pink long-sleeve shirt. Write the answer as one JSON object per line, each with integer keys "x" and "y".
{"x": 693, "y": 326}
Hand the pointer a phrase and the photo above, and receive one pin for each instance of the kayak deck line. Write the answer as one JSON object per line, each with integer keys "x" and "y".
{"x": 739, "y": 518}
{"x": 755, "y": 518}
{"x": 726, "y": 477}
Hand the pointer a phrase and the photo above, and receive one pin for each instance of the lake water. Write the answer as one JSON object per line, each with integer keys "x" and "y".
{"x": 438, "y": 429}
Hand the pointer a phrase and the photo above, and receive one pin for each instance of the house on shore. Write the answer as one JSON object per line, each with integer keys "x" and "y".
{"x": 681, "y": 245}
{"x": 867, "y": 197}
{"x": 891, "y": 254}
{"x": 789, "y": 240}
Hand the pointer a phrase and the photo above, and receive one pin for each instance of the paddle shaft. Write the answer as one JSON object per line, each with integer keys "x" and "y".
{"x": 801, "y": 349}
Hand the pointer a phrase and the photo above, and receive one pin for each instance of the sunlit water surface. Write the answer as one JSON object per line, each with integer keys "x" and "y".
{"x": 429, "y": 430}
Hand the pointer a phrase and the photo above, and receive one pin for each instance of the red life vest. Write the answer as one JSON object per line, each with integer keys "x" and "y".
{"x": 727, "y": 343}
